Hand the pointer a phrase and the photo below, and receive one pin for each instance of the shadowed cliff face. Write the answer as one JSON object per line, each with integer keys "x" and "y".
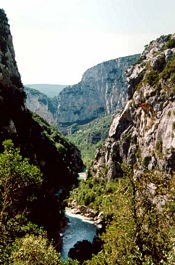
{"x": 58, "y": 159}
{"x": 143, "y": 134}
{"x": 16, "y": 121}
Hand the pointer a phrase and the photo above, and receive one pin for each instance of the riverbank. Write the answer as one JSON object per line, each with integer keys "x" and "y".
{"x": 78, "y": 229}
{"x": 86, "y": 213}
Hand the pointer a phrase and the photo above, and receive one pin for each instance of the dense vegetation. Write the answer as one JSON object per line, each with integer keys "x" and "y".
{"x": 91, "y": 136}
{"x": 68, "y": 156}
{"x": 21, "y": 242}
{"x": 137, "y": 231}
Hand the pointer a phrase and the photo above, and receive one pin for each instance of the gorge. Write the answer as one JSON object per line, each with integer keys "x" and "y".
{"x": 131, "y": 180}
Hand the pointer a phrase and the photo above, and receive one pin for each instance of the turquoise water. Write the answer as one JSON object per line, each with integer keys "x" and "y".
{"x": 78, "y": 229}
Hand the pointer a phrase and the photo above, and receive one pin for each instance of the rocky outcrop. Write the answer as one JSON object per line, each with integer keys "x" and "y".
{"x": 102, "y": 90}
{"x": 143, "y": 134}
{"x": 41, "y": 104}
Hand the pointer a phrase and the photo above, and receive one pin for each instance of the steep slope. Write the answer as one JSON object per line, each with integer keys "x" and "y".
{"x": 102, "y": 90}
{"x": 143, "y": 134}
{"x": 58, "y": 160}
{"x": 16, "y": 121}
{"x": 42, "y": 105}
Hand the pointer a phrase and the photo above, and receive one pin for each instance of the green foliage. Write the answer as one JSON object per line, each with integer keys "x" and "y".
{"x": 170, "y": 44}
{"x": 152, "y": 78}
{"x": 169, "y": 69}
{"x": 159, "y": 147}
{"x": 16, "y": 177}
{"x": 91, "y": 136}
{"x": 17, "y": 180}
{"x": 97, "y": 194}
{"x": 169, "y": 113}
{"x": 173, "y": 125}
{"x": 63, "y": 145}
{"x": 34, "y": 250}
{"x": 139, "y": 233}
{"x": 173, "y": 78}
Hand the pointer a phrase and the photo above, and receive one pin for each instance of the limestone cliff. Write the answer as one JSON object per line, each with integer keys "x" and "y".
{"x": 41, "y": 104}
{"x": 102, "y": 90}
{"x": 143, "y": 134}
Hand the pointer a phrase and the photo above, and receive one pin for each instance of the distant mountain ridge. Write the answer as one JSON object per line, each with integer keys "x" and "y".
{"x": 51, "y": 90}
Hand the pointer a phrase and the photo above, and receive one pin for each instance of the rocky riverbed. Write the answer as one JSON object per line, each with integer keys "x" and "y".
{"x": 86, "y": 212}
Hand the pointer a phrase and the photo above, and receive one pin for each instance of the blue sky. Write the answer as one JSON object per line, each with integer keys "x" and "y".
{"x": 57, "y": 40}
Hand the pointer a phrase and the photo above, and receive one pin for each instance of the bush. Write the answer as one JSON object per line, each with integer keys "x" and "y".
{"x": 81, "y": 251}
{"x": 169, "y": 69}
{"x": 139, "y": 233}
{"x": 34, "y": 250}
{"x": 159, "y": 146}
{"x": 152, "y": 77}
{"x": 173, "y": 126}
{"x": 173, "y": 78}
{"x": 170, "y": 44}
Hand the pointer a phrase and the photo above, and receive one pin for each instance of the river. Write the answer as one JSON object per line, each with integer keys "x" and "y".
{"x": 78, "y": 229}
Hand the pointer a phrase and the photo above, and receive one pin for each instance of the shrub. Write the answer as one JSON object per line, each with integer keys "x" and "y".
{"x": 173, "y": 125}
{"x": 169, "y": 113}
{"x": 170, "y": 44}
{"x": 34, "y": 250}
{"x": 152, "y": 78}
{"x": 159, "y": 146}
{"x": 173, "y": 78}
{"x": 169, "y": 69}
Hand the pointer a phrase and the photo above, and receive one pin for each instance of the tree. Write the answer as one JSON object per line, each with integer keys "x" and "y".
{"x": 17, "y": 178}
{"x": 21, "y": 241}
{"x": 34, "y": 250}
{"x": 81, "y": 251}
{"x": 142, "y": 230}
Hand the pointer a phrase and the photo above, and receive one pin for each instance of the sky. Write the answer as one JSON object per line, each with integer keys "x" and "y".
{"x": 56, "y": 41}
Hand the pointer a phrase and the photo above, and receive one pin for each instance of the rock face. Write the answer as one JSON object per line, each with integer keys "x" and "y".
{"x": 102, "y": 90}
{"x": 143, "y": 134}
{"x": 58, "y": 160}
{"x": 41, "y": 104}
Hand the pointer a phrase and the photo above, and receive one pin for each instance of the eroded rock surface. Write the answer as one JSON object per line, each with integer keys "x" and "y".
{"x": 143, "y": 134}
